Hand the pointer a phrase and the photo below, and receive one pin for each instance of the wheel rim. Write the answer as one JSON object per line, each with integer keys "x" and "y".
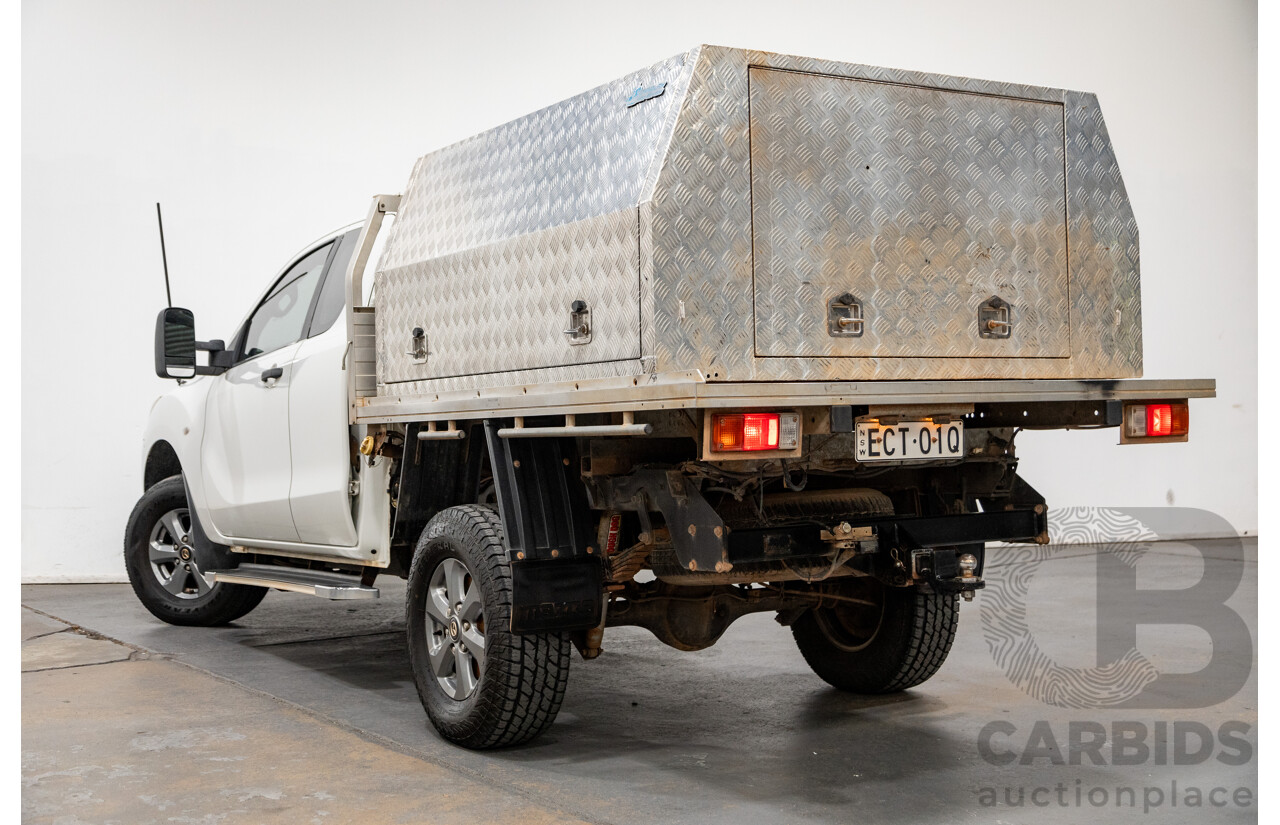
{"x": 172, "y": 556}
{"x": 455, "y": 644}
{"x": 855, "y": 621}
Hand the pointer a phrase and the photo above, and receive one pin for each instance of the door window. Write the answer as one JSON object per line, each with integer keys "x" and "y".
{"x": 282, "y": 316}
{"x": 333, "y": 295}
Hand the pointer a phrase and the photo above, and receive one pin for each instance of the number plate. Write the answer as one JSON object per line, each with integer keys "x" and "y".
{"x": 909, "y": 441}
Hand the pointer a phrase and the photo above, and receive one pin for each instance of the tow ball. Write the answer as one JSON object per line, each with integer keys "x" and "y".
{"x": 948, "y": 570}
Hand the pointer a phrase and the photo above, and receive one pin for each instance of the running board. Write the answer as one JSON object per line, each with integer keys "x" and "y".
{"x": 320, "y": 583}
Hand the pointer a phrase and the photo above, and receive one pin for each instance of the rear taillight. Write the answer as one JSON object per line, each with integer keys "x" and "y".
{"x": 753, "y": 432}
{"x": 1156, "y": 421}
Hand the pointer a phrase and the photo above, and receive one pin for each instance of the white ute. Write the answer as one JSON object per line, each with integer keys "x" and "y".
{"x": 738, "y": 332}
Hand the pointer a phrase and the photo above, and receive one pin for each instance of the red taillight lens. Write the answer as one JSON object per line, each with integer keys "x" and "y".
{"x": 1156, "y": 420}
{"x": 760, "y": 431}
{"x": 744, "y": 431}
{"x": 1159, "y": 419}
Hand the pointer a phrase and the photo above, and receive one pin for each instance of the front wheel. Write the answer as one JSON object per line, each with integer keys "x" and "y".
{"x": 878, "y": 639}
{"x": 481, "y": 685}
{"x": 167, "y": 570}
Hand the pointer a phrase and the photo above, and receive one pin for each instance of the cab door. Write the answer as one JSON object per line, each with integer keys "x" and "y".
{"x": 320, "y": 494}
{"x": 245, "y": 457}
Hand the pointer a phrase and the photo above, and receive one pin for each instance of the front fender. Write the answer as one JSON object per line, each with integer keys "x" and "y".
{"x": 177, "y": 418}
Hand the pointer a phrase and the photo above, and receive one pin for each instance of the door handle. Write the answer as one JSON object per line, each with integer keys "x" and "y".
{"x": 269, "y": 377}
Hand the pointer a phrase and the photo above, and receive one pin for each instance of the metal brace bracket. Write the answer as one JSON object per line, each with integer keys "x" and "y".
{"x": 698, "y": 534}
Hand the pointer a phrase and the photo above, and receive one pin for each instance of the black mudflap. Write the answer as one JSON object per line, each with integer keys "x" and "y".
{"x": 557, "y": 576}
{"x": 556, "y": 594}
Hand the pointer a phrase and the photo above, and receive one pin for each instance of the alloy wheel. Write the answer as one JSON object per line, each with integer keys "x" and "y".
{"x": 172, "y": 556}
{"x": 455, "y": 645}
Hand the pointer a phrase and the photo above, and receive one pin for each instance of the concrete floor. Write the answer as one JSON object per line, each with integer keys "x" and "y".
{"x": 304, "y": 711}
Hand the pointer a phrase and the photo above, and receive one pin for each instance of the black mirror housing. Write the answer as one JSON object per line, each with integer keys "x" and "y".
{"x": 176, "y": 347}
{"x": 176, "y": 343}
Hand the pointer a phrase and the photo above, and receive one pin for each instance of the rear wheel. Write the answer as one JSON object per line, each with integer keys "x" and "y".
{"x": 166, "y": 568}
{"x": 879, "y": 639}
{"x": 481, "y": 685}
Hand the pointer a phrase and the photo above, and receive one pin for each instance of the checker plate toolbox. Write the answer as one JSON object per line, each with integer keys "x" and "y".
{"x": 731, "y": 216}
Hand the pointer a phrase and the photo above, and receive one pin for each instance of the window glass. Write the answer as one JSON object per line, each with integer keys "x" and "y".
{"x": 333, "y": 295}
{"x": 280, "y": 318}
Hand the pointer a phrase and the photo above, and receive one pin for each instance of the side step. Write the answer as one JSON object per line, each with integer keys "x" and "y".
{"x": 320, "y": 583}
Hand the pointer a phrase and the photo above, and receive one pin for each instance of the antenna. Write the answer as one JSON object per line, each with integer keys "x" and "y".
{"x": 164, "y": 257}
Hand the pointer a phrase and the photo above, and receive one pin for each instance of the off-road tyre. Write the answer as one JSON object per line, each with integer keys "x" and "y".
{"x": 861, "y": 650}
{"x": 207, "y": 605}
{"x": 522, "y": 677}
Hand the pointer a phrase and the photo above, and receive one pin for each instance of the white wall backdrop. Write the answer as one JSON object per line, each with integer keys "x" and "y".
{"x": 262, "y": 125}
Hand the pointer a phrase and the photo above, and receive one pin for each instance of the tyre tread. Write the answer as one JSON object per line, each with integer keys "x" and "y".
{"x": 932, "y": 634}
{"x": 530, "y": 672}
{"x": 231, "y": 601}
{"x": 910, "y": 656}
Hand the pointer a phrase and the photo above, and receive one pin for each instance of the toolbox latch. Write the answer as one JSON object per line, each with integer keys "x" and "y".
{"x": 579, "y": 330}
{"x": 844, "y": 317}
{"x": 995, "y": 318}
{"x": 418, "y": 346}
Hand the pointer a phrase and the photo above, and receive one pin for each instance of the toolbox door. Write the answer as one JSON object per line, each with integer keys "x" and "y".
{"x": 893, "y": 221}
{"x": 557, "y": 297}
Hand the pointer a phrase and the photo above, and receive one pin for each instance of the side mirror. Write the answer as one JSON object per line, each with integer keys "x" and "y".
{"x": 176, "y": 343}
{"x": 176, "y": 347}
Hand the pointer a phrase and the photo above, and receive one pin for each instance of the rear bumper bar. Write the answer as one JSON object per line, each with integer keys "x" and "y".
{"x": 894, "y": 533}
